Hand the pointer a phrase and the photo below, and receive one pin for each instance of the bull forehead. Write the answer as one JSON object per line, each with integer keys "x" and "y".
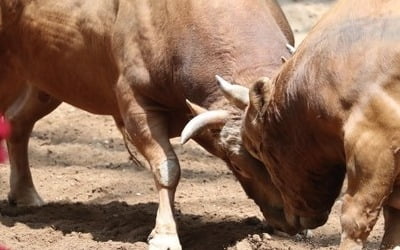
{"x": 309, "y": 175}
{"x": 307, "y": 188}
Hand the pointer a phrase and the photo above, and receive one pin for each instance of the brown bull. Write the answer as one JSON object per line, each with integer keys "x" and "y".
{"x": 138, "y": 61}
{"x": 334, "y": 109}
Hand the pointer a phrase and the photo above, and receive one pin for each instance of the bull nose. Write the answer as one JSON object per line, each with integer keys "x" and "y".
{"x": 313, "y": 222}
{"x": 275, "y": 218}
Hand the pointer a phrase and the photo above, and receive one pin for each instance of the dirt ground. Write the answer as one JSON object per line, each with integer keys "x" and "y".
{"x": 99, "y": 200}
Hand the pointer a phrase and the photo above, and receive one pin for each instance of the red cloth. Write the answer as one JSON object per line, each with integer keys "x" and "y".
{"x": 3, "y": 247}
{"x": 4, "y": 133}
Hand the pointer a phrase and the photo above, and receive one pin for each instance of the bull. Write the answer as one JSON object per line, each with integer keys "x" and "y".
{"x": 138, "y": 61}
{"x": 333, "y": 110}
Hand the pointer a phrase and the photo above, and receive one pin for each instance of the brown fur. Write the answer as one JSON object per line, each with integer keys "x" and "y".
{"x": 334, "y": 108}
{"x": 138, "y": 61}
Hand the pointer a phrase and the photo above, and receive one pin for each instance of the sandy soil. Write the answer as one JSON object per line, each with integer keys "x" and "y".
{"x": 98, "y": 199}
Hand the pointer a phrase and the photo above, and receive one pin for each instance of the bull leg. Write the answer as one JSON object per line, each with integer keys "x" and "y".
{"x": 29, "y": 108}
{"x": 391, "y": 212}
{"x": 371, "y": 170}
{"x": 149, "y": 133}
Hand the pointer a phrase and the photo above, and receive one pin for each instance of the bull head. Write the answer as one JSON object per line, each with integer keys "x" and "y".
{"x": 218, "y": 131}
{"x": 260, "y": 101}
{"x": 238, "y": 95}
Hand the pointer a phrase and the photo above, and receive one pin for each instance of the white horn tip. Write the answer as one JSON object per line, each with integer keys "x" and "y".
{"x": 220, "y": 79}
{"x": 185, "y": 135}
{"x": 184, "y": 139}
{"x": 224, "y": 84}
{"x": 290, "y": 48}
{"x": 188, "y": 103}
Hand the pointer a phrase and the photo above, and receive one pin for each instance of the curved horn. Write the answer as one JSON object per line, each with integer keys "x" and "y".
{"x": 290, "y": 48}
{"x": 210, "y": 119}
{"x": 236, "y": 94}
{"x": 194, "y": 108}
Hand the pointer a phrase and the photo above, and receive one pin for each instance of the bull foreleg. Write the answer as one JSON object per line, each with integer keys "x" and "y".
{"x": 148, "y": 130}
{"x": 371, "y": 170}
{"x": 26, "y": 110}
{"x": 391, "y": 213}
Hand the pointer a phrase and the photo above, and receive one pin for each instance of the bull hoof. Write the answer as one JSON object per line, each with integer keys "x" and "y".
{"x": 306, "y": 234}
{"x": 164, "y": 242}
{"x": 349, "y": 244}
{"x": 29, "y": 198}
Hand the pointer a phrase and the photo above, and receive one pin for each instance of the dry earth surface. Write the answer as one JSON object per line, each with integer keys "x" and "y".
{"x": 98, "y": 199}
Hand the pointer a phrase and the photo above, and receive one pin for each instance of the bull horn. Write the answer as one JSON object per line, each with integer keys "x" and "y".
{"x": 194, "y": 108}
{"x": 209, "y": 119}
{"x": 236, "y": 94}
{"x": 290, "y": 48}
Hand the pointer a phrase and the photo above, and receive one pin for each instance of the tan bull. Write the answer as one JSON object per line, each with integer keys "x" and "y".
{"x": 138, "y": 61}
{"x": 334, "y": 109}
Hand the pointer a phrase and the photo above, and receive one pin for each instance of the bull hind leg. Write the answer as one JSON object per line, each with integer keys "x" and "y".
{"x": 31, "y": 106}
{"x": 371, "y": 171}
{"x": 148, "y": 130}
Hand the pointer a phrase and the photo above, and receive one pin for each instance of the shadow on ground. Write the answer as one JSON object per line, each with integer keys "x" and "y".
{"x": 118, "y": 221}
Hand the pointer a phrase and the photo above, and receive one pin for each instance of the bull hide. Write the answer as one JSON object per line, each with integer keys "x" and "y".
{"x": 334, "y": 109}
{"x": 139, "y": 61}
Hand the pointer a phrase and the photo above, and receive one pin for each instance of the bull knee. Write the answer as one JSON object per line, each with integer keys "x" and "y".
{"x": 168, "y": 173}
{"x": 357, "y": 222}
{"x": 354, "y": 227}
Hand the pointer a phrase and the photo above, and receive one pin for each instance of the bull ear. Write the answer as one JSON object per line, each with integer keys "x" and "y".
{"x": 206, "y": 120}
{"x": 236, "y": 94}
{"x": 259, "y": 93}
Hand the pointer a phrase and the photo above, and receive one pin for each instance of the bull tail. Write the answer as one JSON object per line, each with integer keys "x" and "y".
{"x": 128, "y": 140}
